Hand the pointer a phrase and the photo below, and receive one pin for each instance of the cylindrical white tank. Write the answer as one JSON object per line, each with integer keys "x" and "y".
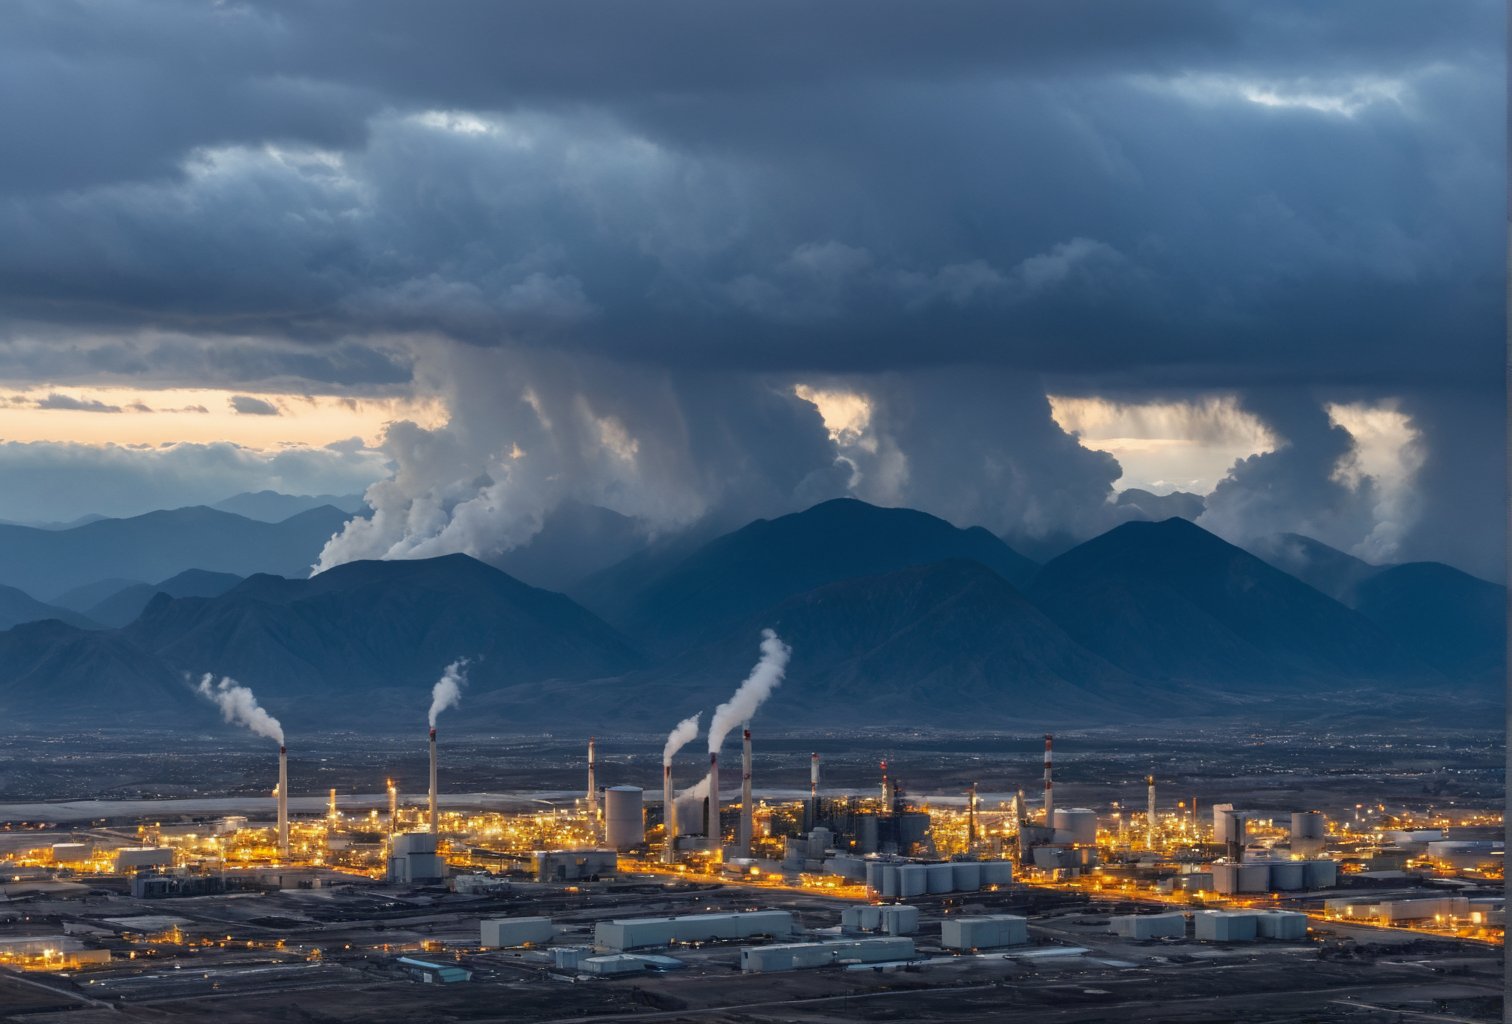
{"x": 624, "y": 820}
{"x": 997, "y": 872}
{"x": 941, "y": 878}
{"x": 891, "y": 880}
{"x": 913, "y": 879}
{"x": 1076, "y": 825}
{"x": 1288, "y": 875}
{"x": 968, "y": 875}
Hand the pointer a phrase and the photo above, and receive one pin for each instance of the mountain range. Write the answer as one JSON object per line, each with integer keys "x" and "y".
{"x": 893, "y": 616}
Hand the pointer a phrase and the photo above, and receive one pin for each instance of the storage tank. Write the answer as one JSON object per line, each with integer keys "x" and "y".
{"x": 891, "y": 880}
{"x": 941, "y": 878}
{"x": 997, "y": 872}
{"x": 913, "y": 880}
{"x": 1307, "y": 833}
{"x": 624, "y": 820}
{"x": 1076, "y": 825}
{"x": 1288, "y": 875}
{"x": 967, "y": 875}
{"x": 1321, "y": 874}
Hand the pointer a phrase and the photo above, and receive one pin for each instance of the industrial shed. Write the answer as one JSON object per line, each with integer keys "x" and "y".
{"x": 503, "y": 932}
{"x": 798, "y": 955}
{"x": 1149, "y": 926}
{"x": 986, "y": 932}
{"x": 649, "y": 932}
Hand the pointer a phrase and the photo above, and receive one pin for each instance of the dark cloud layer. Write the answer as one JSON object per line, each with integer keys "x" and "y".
{"x": 948, "y": 207}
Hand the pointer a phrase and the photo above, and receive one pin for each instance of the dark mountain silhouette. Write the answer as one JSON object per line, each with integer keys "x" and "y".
{"x": 17, "y": 606}
{"x": 158, "y": 545}
{"x": 1448, "y": 618}
{"x": 756, "y": 567}
{"x": 1171, "y": 601}
{"x": 123, "y": 606}
{"x": 374, "y": 624}
{"x": 951, "y": 643}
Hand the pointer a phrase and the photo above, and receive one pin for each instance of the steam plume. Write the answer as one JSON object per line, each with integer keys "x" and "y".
{"x": 758, "y": 686}
{"x": 685, "y": 733}
{"x": 447, "y": 693}
{"x": 239, "y": 705}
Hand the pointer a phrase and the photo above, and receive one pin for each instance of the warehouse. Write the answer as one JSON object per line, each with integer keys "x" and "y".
{"x": 504, "y": 932}
{"x": 1226, "y": 925}
{"x": 986, "y": 932}
{"x": 133, "y": 858}
{"x": 1149, "y": 926}
{"x": 798, "y": 955}
{"x": 574, "y": 865}
{"x": 648, "y": 932}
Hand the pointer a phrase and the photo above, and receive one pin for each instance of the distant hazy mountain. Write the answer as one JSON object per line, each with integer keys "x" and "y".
{"x": 1178, "y": 504}
{"x": 758, "y": 566}
{"x": 158, "y": 545}
{"x": 273, "y": 507}
{"x": 1320, "y": 566}
{"x": 1448, "y": 618}
{"x": 575, "y": 541}
{"x": 82, "y": 598}
{"x": 377, "y": 624}
{"x": 1169, "y": 600}
{"x": 126, "y": 604}
{"x": 17, "y": 606}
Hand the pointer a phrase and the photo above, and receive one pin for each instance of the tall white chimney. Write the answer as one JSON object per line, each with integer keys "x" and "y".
{"x": 712, "y": 830}
{"x": 393, "y": 795}
{"x": 593, "y": 808}
{"x": 669, "y": 815}
{"x": 433, "y": 821}
{"x": 745, "y": 792}
{"x": 813, "y": 789}
{"x": 1150, "y": 812}
{"x": 1049, "y": 786}
{"x": 283, "y": 802}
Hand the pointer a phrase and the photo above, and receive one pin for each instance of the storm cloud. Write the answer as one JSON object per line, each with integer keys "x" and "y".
{"x": 617, "y": 240}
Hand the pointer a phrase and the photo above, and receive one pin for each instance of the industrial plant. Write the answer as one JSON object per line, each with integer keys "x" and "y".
{"x": 669, "y": 899}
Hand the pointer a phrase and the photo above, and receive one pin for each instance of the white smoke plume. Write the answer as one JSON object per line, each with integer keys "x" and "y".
{"x": 698, "y": 791}
{"x": 758, "y": 686}
{"x": 239, "y": 705}
{"x": 685, "y": 732}
{"x": 447, "y": 693}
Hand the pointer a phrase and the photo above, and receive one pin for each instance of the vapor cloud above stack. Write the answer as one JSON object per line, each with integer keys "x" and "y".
{"x": 239, "y": 706}
{"x": 765, "y": 677}
{"x": 447, "y": 693}
{"x": 684, "y": 733}
{"x": 620, "y": 272}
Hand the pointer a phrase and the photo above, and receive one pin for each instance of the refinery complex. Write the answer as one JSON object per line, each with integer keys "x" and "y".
{"x": 656, "y": 898}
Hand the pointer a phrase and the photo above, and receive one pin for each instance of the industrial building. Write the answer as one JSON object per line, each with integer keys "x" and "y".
{"x": 799, "y": 955}
{"x": 506, "y": 932}
{"x": 424, "y": 970}
{"x": 986, "y": 932}
{"x": 574, "y": 865}
{"x": 1149, "y": 926}
{"x": 651, "y": 932}
{"x": 132, "y": 859}
{"x": 891, "y": 919}
{"x": 1225, "y": 925}
{"x": 1258, "y": 876}
{"x": 413, "y": 860}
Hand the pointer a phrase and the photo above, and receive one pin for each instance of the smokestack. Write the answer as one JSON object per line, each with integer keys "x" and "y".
{"x": 1049, "y": 786}
{"x": 283, "y": 802}
{"x": 813, "y": 789}
{"x": 433, "y": 822}
{"x": 711, "y": 829}
{"x": 1150, "y": 811}
{"x": 971, "y": 806}
{"x": 593, "y": 808}
{"x": 669, "y": 814}
{"x": 745, "y": 792}
{"x": 887, "y": 795}
{"x": 393, "y": 795}
{"x": 331, "y": 808}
